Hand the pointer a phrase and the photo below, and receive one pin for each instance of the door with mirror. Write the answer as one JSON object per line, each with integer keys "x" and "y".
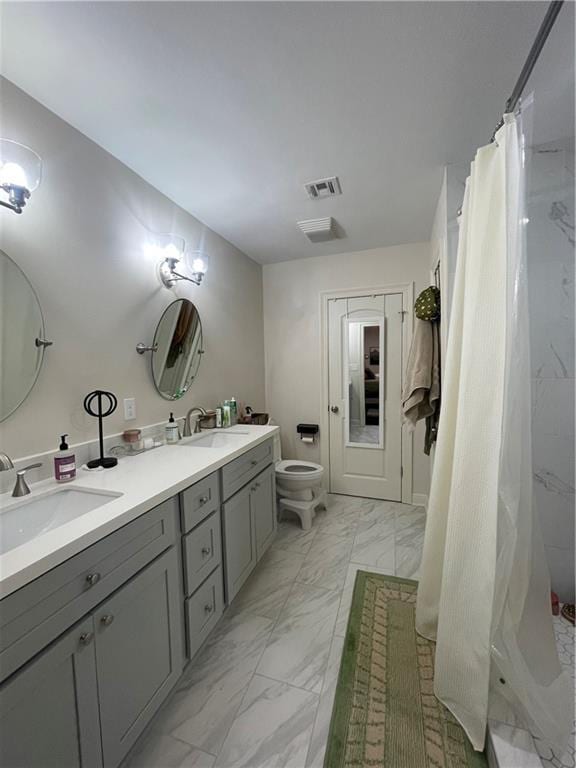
{"x": 364, "y": 393}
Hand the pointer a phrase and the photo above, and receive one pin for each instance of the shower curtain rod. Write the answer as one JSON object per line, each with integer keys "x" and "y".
{"x": 537, "y": 45}
{"x": 545, "y": 28}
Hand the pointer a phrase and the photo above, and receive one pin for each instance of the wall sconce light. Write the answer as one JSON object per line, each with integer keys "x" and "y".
{"x": 20, "y": 173}
{"x": 199, "y": 265}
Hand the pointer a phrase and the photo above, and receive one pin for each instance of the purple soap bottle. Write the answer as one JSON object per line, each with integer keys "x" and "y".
{"x": 64, "y": 463}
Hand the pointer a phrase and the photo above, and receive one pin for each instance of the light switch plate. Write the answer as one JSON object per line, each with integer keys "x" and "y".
{"x": 129, "y": 408}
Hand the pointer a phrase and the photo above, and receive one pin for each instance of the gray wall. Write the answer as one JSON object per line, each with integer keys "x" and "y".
{"x": 80, "y": 242}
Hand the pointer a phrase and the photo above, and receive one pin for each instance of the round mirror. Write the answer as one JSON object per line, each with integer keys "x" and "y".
{"x": 177, "y": 349}
{"x": 21, "y": 331}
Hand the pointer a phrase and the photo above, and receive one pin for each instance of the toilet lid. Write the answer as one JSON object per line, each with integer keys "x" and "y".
{"x": 297, "y": 467}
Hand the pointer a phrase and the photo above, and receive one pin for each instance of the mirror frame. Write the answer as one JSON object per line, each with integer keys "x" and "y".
{"x": 41, "y": 349}
{"x": 200, "y": 352}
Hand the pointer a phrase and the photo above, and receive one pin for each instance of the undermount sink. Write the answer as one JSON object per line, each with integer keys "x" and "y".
{"x": 24, "y": 520}
{"x": 214, "y": 440}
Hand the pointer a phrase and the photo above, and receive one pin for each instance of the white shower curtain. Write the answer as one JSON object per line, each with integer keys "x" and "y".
{"x": 484, "y": 592}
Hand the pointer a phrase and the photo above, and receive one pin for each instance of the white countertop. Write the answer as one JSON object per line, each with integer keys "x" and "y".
{"x": 144, "y": 481}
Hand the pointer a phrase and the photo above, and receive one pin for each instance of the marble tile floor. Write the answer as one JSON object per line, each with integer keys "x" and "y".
{"x": 565, "y": 637}
{"x": 511, "y": 741}
{"x": 260, "y": 692}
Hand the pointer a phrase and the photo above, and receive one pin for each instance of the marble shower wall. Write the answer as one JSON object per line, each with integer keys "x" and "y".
{"x": 550, "y": 244}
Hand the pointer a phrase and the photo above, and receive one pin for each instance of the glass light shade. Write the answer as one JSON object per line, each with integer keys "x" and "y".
{"x": 198, "y": 262}
{"x": 20, "y": 166}
{"x": 165, "y": 246}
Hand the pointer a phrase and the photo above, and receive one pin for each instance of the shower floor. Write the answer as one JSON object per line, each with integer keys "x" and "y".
{"x": 565, "y": 637}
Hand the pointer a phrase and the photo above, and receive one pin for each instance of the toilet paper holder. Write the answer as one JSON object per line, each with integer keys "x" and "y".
{"x": 307, "y": 432}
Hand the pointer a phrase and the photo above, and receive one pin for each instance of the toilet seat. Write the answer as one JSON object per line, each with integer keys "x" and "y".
{"x": 294, "y": 469}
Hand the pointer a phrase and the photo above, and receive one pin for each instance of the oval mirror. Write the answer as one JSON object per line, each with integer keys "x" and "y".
{"x": 177, "y": 349}
{"x": 21, "y": 327}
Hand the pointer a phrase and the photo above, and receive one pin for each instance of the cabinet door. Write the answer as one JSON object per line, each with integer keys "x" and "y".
{"x": 139, "y": 654}
{"x": 239, "y": 541}
{"x": 49, "y": 710}
{"x": 263, "y": 503}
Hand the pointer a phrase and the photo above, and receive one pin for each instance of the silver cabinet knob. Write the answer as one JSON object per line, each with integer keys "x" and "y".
{"x": 86, "y": 638}
{"x": 206, "y": 551}
{"x": 254, "y": 462}
{"x": 92, "y": 578}
{"x": 203, "y": 500}
{"x": 208, "y": 608}
{"x": 107, "y": 619}
{"x": 334, "y": 409}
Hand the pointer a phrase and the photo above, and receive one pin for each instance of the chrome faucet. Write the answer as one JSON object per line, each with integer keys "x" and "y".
{"x": 5, "y": 462}
{"x": 21, "y": 486}
{"x": 187, "y": 430}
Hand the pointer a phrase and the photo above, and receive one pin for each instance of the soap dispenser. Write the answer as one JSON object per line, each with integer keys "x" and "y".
{"x": 64, "y": 462}
{"x": 172, "y": 431}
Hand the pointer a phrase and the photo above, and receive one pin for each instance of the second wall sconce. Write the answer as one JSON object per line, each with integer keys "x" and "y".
{"x": 20, "y": 173}
{"x": 169, "y": 249}
{"x": 170, "y": 276}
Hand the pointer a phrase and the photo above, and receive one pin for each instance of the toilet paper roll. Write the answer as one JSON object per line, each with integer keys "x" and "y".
{"x": 307, "y": 439}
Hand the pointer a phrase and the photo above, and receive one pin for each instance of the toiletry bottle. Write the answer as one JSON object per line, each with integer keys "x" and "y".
{"x": 218, "y": 416}
{"x": 64, "y": 463}
{"x": 172, "y": 431}
{"x": 226, "y": 414}
{"x": 233, "y": 411}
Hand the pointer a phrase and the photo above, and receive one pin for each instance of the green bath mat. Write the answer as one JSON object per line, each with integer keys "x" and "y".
{"x": 385, "y": 713}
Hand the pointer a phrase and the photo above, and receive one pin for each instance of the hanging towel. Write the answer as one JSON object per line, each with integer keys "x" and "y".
{"x": 421, "y": 395}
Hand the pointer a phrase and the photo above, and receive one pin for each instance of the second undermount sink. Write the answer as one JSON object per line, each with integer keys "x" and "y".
{"x": 26, "y": 519}
{"x": 215, "y": 439}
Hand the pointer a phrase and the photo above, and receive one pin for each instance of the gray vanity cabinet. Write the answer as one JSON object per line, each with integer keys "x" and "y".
{"x": 82, "y": 701}
{"x": 49, "y": 714}
{"x": 138, "y": 644}
{"x": 240, "y": 540}
{"x": 249, "y": 522}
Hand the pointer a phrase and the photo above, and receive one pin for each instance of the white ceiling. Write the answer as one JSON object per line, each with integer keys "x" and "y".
{"x": 228, "y": 108}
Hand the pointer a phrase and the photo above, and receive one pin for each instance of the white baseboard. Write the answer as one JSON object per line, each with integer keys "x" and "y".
{"x": 420, "y": 500}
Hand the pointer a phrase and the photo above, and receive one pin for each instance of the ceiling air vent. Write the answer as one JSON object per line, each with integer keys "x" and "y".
{"x": 318, "y": 230}
{"x": 323, "y": 188}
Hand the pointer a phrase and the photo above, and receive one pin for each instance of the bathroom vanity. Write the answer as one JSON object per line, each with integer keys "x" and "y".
{"x": 91, "y": 647}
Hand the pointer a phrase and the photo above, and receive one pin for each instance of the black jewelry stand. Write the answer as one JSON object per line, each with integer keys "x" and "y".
{"x": 98, "y": 394}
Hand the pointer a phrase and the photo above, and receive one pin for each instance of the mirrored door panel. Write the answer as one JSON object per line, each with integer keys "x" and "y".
{"x": 365, "y": 380}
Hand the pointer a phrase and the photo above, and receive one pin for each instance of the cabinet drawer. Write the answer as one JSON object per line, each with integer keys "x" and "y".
{"x": 203, "y": 610}
{"x": 244, "y": 468}
{"x": 202, "y": 551}
{"x": 36, "y": 614}
{"x": 199, "y": 501}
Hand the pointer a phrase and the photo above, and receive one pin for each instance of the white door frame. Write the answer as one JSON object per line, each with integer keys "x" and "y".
{"x": 407, "y": 291}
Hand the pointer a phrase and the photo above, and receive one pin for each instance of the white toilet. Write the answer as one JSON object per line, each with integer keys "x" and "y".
{"x": 298, "y": 486}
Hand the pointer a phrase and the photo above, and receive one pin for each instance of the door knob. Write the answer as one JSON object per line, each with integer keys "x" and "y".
{"x": 86, "y": 638}
{"x": 334, "y": 408}
{"x": 107, "y": 619}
